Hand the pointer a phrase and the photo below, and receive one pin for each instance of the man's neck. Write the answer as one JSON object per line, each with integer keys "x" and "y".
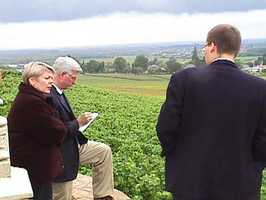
{"x": 58, "y": 89}
{"x": 58, "y": 84}
{"x": 225, "y": 56}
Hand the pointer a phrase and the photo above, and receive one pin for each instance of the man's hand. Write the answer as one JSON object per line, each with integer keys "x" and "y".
{"x": 84, "y": 118}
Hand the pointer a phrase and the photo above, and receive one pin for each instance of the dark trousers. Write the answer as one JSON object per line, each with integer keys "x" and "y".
{"x": 41, "y": 191}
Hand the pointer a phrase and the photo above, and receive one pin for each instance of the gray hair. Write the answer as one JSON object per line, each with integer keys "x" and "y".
{"x": 34, "y": 69}
{"x": 66, "y": 64}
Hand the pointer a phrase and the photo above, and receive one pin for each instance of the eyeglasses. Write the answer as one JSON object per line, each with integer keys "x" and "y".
{"x": 207, "y": 44}
{"x": 73, "y": 77}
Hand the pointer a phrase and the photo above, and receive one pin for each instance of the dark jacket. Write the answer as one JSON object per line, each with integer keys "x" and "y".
{"x": 35, "y": 134}
{"x": 69, "y": 147}
{"x": 212, "y": 128}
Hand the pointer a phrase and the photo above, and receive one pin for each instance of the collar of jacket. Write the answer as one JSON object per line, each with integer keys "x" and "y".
{"x": 28, "y": 89}
{"x": 224, "y": 62}
{"x": 58, "y": 90}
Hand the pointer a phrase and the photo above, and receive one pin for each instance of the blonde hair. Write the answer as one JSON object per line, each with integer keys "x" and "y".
{"x": 34, "y": 69}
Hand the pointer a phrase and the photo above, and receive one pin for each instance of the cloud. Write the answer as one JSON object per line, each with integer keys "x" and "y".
{"x": 127, "y": 28}
{"x": 61, "y": 10}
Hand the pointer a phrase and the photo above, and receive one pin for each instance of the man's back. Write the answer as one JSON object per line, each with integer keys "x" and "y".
{"x": 206, "y": 127}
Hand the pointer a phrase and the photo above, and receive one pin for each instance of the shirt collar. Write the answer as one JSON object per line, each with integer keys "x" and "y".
{"x": 228, "y": 59}
{"x": 58, "y": 89}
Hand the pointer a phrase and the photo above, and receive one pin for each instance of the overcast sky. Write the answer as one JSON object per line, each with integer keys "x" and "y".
{"x": 35, "y": 10}
{"x": 65, "y": 23}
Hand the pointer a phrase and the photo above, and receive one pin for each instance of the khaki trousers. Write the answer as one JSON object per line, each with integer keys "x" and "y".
{"x": 99, "y": 156}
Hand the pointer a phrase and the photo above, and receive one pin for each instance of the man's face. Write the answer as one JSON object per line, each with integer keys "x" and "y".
{"x": 207, "y": 53}
{"x": 69, "y": 79}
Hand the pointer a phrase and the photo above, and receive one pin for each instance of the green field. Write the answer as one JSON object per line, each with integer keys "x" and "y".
{"x": 127, "y": 124}
{"x": 247, "y": 59}
{"x": 146, "y": 85}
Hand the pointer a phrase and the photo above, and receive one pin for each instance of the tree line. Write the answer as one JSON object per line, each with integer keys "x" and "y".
{"x": 261, "y": 60}
{"x": 140, "y": 65}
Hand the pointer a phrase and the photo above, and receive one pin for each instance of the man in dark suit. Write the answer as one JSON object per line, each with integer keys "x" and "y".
{"x": 76, "y": 148}
{"x": 212, "y": 126}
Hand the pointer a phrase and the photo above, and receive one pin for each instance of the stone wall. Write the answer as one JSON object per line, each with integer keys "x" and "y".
{"x": 14, "y": 181}
{"x": 4, "y": 151}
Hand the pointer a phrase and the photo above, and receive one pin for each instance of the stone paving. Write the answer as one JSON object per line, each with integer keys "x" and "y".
{"x": 82, "y": 189}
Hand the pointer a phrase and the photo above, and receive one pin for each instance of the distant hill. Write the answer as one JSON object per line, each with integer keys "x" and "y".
{"x": 178, "y": 49}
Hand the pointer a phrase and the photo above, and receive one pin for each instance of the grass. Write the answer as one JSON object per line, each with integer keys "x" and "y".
{"x": 246, "y": 59}
{"x": 146, "y": 85}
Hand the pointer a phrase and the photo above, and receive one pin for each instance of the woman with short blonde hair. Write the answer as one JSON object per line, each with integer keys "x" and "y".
{"x": 35, "y": 131}
{"x": 34, "y": 69}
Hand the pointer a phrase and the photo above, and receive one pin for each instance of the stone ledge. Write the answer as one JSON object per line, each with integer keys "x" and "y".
{"x": 3, "y": 142}
{"x": 3, "y": 129}
{"x": 3, "y": 121}
{"x": 17, "y": 186}
{"x": 82, "y": 189}
{"x": 4, "y": 154}
{"x": 4, "y": 169}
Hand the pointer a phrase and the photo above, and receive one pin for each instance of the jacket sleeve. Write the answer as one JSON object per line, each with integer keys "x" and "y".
{"x": 44, "y": 126}
{"x": 72, "y": 127}
{"x": 170, "y": 117}
{"x": 259, "y": 140}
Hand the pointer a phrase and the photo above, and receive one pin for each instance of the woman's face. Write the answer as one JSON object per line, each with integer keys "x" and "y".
{"x": 43, "y": 82}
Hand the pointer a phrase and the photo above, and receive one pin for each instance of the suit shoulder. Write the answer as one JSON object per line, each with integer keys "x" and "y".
{"x": 192, "y": 71}
{"x": 254, "y": 78}
{"x": 184, "y": 72}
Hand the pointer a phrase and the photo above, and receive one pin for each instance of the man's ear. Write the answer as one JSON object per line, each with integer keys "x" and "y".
{"x": 213, "y": 48}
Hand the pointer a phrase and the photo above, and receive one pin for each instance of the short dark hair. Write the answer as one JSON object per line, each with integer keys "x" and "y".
{"x": 226, "y": 37}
